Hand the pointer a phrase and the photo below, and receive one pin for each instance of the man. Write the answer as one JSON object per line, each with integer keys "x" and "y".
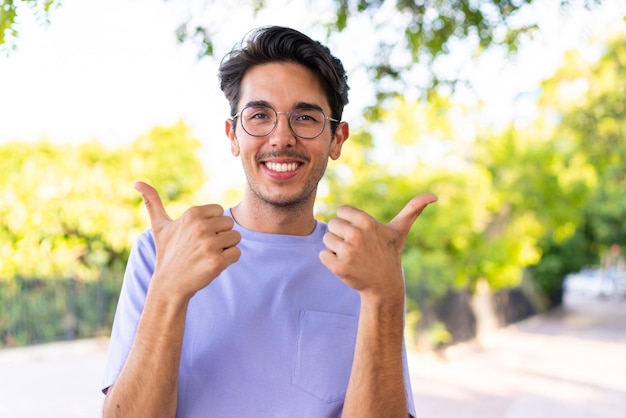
{"x": 260, "y": 310}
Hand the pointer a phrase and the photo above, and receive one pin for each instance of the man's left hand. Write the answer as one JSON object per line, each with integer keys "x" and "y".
{"x": 367, "y": 254}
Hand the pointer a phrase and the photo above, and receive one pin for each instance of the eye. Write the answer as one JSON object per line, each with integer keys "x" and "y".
{"x": 307, "y": 116}
{"x": 258, "y": 114}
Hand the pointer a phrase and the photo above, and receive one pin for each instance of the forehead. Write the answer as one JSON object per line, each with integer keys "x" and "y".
{"x": 282, "y": 85}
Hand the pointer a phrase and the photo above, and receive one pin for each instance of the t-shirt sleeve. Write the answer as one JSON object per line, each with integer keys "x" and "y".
{"x": 410, "y": 401}
{"x": 407, "y": 384}
{"x": 137, "y": 276}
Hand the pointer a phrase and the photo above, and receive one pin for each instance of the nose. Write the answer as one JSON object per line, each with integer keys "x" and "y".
{"x": 282, "y": 135}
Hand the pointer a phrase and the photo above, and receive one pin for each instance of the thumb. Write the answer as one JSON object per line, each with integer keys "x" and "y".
{"x": 403, "y": 221}
{"x": 152, "y": 200}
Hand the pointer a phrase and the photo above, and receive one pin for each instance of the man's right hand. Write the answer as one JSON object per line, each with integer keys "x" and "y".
{"x": 192, "y": 250}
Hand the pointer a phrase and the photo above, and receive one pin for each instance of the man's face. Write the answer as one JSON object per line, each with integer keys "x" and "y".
{"x": 281, "y": 168}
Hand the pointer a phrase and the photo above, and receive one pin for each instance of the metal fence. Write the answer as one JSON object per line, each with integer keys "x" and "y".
{"x": 36, "y": 311}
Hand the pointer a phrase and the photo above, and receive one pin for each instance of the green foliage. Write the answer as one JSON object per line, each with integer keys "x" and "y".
{"x": 473, "y": 231}
{"x": 437, "y": 334}
{"x": 418, "y": 35}
{"x": 431, "y": 29}
{"x": 560, "y": 257}
{"x": 70, "y": 215}
{"x": 70, "y": 211}
{"x": 589, "y": 99}
{"x": 10, "y": 11}
{"x": 167, "y": 157}
{"x": 546, "y": 199}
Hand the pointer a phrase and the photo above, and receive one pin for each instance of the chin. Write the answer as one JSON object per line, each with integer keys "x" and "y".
{"x": 285, "y": 201}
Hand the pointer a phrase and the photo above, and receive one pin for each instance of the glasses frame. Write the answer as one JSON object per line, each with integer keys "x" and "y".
{"x": 326, "y": 118}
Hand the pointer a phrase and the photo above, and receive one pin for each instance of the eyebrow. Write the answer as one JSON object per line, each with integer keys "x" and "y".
{"x": 299, "y": 105}
{"x": 258, "y": 103}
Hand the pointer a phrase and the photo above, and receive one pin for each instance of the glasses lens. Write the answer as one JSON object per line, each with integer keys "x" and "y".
{"x": 258, "y": 120}
{"x": 307, "y": 123}
{"x": 261, "y": 120}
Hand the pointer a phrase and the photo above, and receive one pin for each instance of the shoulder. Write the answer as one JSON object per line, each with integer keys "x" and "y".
{"x": 144, "y": 244}
{"x": 142, "y": 257}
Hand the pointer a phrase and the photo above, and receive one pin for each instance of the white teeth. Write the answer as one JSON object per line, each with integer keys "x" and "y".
{"x": 281, "y": 167}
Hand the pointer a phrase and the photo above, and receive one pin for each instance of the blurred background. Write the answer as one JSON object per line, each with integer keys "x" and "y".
{"x": 513, "y": 113}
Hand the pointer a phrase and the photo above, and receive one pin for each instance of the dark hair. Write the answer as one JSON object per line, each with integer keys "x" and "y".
{"x": 280, "y": 44}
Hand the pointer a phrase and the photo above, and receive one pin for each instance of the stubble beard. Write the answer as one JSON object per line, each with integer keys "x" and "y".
{"x": 302, "y": 201}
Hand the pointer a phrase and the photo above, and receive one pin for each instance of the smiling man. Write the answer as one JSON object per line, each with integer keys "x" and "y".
{"x": 260, "y": 310}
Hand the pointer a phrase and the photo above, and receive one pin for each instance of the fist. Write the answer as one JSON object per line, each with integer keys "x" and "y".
{"x": 192, "y": 250}
{"x": 367, "y": 254}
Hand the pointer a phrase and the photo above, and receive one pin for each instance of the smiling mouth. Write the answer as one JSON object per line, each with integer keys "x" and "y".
{"x": 282, "y": 167}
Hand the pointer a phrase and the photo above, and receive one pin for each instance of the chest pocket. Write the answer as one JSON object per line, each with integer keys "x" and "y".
{"x": 324, "y": 354}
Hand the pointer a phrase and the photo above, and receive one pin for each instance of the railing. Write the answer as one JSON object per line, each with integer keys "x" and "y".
{"x": 36, "y": 311}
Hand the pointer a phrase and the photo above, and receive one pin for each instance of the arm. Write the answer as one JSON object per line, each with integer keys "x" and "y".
{"x": 376, "y": 387}
{"x": 367, "y": 256}
{"x": 190, "y": 252}
{"x": 148, "y": 383}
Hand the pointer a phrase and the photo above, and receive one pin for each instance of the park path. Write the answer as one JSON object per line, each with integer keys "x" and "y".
{"x": 569, "y": 363}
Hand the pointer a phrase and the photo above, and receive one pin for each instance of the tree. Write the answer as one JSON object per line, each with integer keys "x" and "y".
{"x": 70, "y": 216}
{"x": 71, "y": 211}
{"x": 431, "y": 27}
{"x": 416, "y": 33}
{"x": 540, "y": 189}
{"x": 545, "y": 198}
{"x": 9, "y": 14}
{"x": 587, "y": 98}
{"x": 473, "y": 232}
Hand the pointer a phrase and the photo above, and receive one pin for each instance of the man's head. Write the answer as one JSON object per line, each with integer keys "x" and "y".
{"x": 280, "y": 44}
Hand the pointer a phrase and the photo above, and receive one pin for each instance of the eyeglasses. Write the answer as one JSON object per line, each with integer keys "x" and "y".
{"x": 306, "y": 123}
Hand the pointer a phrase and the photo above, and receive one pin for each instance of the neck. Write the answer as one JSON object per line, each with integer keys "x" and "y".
{"x": 272, "y": 219}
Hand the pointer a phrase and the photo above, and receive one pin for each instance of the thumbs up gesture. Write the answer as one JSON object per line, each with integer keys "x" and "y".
{"x": 366, "y": 254}
{"x": 192, "y": 250}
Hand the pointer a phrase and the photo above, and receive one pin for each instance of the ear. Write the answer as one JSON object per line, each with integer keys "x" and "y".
{"x": 229, "y": 127}
{"x": 341, "y": 135}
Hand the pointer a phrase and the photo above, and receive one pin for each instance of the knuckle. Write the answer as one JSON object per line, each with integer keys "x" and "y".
{"x": 340, "y": 270}
{"x": 367, "y": 222}
{"x": 193, "y": 212}
{"x": 356, "y": 237}
{"x": 214, "y": 265}
{"x": 236, "y": 237}
{"x": 200, "y": 228}
{"x": 228, "y": 222}
{"x": 214, "y": 207}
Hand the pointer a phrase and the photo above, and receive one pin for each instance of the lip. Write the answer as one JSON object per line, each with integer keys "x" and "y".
{"x": 281, "y": 169}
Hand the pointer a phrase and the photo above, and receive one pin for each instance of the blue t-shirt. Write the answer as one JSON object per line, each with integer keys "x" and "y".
{"x": 272, "y": 336}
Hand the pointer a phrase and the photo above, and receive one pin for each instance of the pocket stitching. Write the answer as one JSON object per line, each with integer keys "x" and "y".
{"x": 330, "y": 321}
